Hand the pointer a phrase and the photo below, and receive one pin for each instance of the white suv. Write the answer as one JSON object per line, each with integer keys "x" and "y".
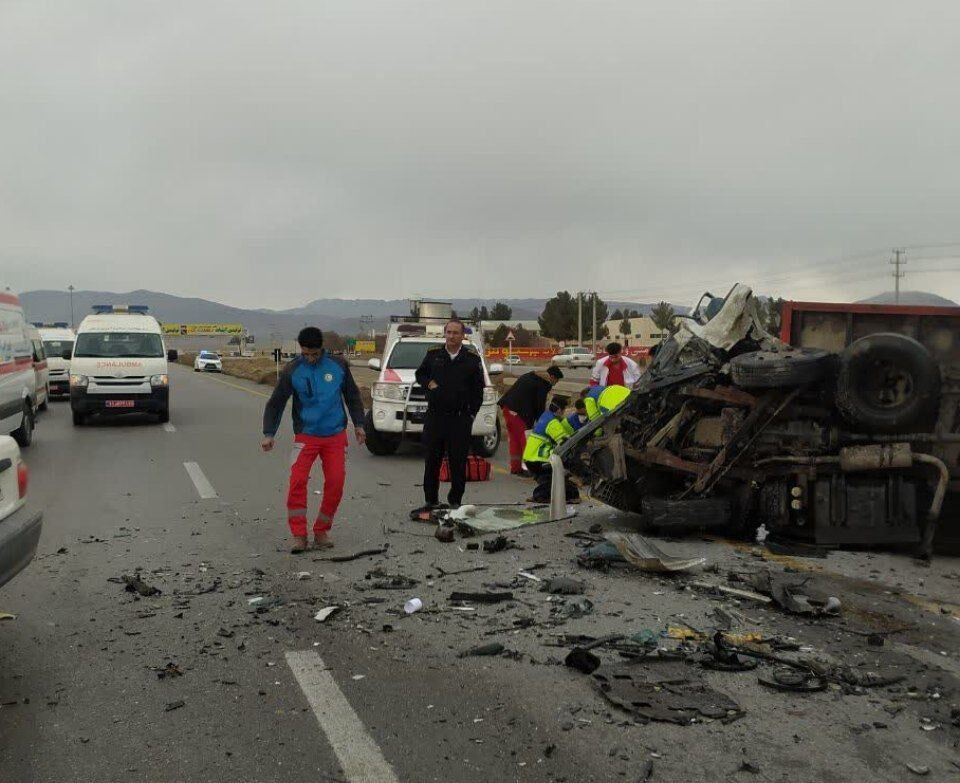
{"x": 574, "y": 356}
{"x": 19, "y": 527}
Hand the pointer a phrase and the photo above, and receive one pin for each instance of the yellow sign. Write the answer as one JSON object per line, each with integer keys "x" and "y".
{"x": 202, "y": 330}
{"x": 365, "y": 346}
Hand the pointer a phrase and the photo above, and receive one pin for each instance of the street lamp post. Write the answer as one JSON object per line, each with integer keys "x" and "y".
{"x": 72, "y": 320}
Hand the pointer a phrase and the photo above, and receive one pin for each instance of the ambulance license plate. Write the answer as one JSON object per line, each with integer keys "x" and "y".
{"x": 120, "y": 403}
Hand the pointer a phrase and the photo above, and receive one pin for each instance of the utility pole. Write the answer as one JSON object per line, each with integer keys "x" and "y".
{"x": 897, "y": 262}
{"x": 579, "y": 317}
{"x": 593, "y": 323}
{"x": 72, "y": 320}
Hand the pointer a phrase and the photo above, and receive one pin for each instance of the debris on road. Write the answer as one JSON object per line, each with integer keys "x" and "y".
{"x": 642, "y": 553}
{"x": 326, "y": 612}
{"x": 381, "y": 580}
{"x": 480, "y": 598}
{"x": 582, "y": 660}
{"x": 174, "y": 705}
{"x": 134, "y": 584}
{"x": 413, "y": 605}
{"x": 168, "y": 672}
{"x": 7, "y": 616}
{"x": 563, "y": 585}
{"x": 444, "y": 534}
{"x": 356, "y": 556}
{"x": 669, "y": 692}
{"x": 494, "y": 648}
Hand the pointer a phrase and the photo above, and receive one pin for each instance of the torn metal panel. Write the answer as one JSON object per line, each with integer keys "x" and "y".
{"x": 642, "y": 553}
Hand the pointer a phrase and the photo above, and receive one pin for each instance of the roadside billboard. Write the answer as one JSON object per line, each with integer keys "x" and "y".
{"x": 202, "y": 330}
{"x": 545, "y": 354}
{"x": 365, "y": 346}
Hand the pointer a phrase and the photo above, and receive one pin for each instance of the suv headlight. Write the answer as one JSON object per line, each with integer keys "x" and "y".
{"x": 79, "y": 380}
{"x": 390, "y": 392}
{"x": 159, "y": 380}
{"x": 489, "y": 395}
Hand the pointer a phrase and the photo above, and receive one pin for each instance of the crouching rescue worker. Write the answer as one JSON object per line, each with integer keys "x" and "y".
{"x": 578, "y": 418}
{"x": 522, "y": 405}
{"x": 547, "y": 433}
{"x": 320, "y": 385}
{"x": 603, "y": 399}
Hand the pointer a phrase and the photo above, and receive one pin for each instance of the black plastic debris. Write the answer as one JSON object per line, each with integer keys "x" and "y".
{"x": 498, "y": 544}
{"x": 481, "y": 598}
{"x": 670, "y": 692}
{"x": 563, "y": 585}
{"x": 174, "y": 705}
{"x": 582, "y": 660}
{"x": 134, "y": 584}
{"x": 794, "y": 681}
{"x": 168, "y": 672}
{"x": 494, "y": 648}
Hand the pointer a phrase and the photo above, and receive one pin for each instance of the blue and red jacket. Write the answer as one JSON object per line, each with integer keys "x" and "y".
{"x": 320, "y": 391}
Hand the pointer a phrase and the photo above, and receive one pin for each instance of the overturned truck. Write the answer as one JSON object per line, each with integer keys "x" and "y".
{"x": 849, "y": 435}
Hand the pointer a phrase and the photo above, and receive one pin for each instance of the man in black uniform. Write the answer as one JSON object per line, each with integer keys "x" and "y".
{"x": 452, "y": 377}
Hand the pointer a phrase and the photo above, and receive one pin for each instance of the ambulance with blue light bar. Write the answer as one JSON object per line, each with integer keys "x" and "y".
{"x": 119, "y": 365}
{"x": 400, "y": 404}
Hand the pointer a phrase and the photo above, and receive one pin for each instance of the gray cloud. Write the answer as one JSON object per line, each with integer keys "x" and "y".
{"x": 267, "y": 154}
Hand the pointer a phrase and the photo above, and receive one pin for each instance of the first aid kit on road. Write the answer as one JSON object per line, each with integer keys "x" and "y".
{"x": 478, "y": 469}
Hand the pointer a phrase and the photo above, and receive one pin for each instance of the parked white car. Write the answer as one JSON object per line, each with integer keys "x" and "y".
{"x": 19, "y": 526}
{"x": 18, "y": 383}
{"x": 58, "y": 346}
{"x": 574, "y": 356}
{"x": 208, "y": 361}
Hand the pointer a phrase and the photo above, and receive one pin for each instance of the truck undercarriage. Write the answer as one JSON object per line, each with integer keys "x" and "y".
{"x": 731, "y": 428}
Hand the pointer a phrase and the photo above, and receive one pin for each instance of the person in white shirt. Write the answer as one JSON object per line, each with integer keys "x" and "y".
{"x": 615, "y": 369}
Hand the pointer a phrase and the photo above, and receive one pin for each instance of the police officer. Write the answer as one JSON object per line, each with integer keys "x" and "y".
{"x": 452, "y": 377}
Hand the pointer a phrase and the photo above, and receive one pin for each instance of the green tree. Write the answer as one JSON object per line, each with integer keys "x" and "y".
{"x": 501, "y": 312}
{"x": 617, "y": 315}
{"x": 664, "y": 316}
{"x": 626, "y": 328}
{"x": 559, "y": 317}
{"x": 602, "y": 315}
{"x": 772, "y": 310}
{"x": 484, "y": 313}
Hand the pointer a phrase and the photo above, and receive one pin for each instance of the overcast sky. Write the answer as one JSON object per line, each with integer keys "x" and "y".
{"x": 265, "y": 154}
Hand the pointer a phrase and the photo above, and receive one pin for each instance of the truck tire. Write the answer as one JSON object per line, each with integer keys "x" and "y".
{"x": 23, "y": 435}
{"x": 689, "y": 514}
{"x": 379, "y": 444}
{"x": 486, "y": 445}
{"x": 887, "y": 382}
{"x": 778, "y": 369}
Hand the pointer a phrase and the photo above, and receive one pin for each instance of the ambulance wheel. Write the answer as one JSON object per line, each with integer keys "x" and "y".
{"x": 486, "y": 445}
{"x": 380, "y": 444}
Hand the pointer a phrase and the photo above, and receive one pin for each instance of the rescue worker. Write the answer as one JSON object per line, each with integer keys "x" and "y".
{"x": 602, "y": 399}
{"x": 615, "y": 369}
{"x": 522, "y": 405}
{"x": 452, "y": 377}
{"x": 578, "y": 418}
{"x": 547, "y": 433}
{"x": 320, "y": 385}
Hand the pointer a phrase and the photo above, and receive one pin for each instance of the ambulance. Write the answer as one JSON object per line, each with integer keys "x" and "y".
{"x": 119, "y": 365}
{"x": 57, "y": 342}
{"x": 18, "y": 383}
{"x": 399, "y": 404}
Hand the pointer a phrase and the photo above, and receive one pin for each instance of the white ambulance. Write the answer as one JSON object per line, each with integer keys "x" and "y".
{"x": 57, "y": 342}
{"x": 400, "y": 404}
{"x": 119, "y": 364}
{"x": 18, "y": 384}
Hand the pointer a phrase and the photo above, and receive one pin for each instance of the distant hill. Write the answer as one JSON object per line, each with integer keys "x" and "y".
{"x": 910, "y": 298}
{"x": 339, "y": 315}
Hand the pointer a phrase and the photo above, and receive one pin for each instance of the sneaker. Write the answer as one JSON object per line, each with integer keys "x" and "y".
{"x": 299, "y": 546}
{"x": 322, "y": 541}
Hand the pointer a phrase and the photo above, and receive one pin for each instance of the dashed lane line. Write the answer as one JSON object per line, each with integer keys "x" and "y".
{"x": 358, "y": 754}
{"x": 204, "y": 487}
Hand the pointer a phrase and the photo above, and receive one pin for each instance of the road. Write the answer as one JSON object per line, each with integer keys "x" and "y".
{"x": 269, "y": 694}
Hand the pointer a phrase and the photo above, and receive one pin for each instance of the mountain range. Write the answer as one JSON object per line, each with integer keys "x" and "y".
{"x": 338, "y": 315}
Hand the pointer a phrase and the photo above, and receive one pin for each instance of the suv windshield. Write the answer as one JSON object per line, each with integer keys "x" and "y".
{"x": 55, "y": 348}
{"x": 407, "y": 356}
{"x": 208, "y": 355}
{"x": 118, "y": 345}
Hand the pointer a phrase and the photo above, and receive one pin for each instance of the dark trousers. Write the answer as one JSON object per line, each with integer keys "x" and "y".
{"x": 543, "y": 473}
{"x": 446, "y": 434}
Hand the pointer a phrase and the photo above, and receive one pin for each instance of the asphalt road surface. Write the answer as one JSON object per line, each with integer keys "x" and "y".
{"x": 267, "y": 693}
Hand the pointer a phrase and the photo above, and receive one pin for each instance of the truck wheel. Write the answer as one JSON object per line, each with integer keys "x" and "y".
{"x": 78, "y": 419}
{"x": 486, "y": 445}
{"x": 46, "y": 398}
{"x": 380, "y": 444}
{"x": 23, "y": 435}
{"x": 778, "y": 369}
{"x": 689, "y": 514}
{"x": 887, "y": 383}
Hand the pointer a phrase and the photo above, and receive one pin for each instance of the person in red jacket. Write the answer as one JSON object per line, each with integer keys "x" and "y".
{"x": 615, "y": 369}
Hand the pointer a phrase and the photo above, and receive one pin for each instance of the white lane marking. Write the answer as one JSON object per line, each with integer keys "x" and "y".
{"x": 358, "y": 754}
{"x": 204, "y": 487}
{"x": 169, "y": 427}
